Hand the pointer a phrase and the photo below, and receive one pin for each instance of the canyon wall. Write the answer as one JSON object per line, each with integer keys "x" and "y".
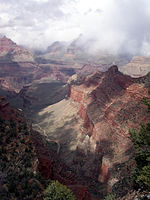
{"x": 92, "y": 126}
{"x": 109, "y": 104}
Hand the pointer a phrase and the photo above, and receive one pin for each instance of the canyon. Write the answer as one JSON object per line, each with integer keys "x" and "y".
{"x": 24, "y": 155}
{"x": 19, "y": 67}
{"x": 92, "y": 124}
{"x": 81, "y": 112}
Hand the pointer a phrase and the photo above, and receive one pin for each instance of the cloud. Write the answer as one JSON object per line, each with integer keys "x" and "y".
{"x": 121, "y": 26}
{"x": 114, "y": 25}
{"x": 27, "y": 22}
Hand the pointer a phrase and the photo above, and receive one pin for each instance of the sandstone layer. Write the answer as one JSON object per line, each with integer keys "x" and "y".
{"x": 18, "y": 68}
{"x": 91, "y": 126}
{"x": 11, "y": 52}
{"x": 137, "y": 67}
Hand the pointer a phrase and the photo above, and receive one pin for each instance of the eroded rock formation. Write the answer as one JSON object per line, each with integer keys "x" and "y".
{"x": 137, "y": 67}
{"x": 18, "y": 68}
{"x": 10, "y": 51}
{"x": 92, "y": 125}
{"x": 52, "y": 167}
{"x": 109, "y": 104}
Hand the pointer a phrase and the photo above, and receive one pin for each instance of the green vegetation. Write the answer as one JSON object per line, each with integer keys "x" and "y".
{"x": 141, "y": 141}
{"x": 18, "y": 178}
{"x": 110, "y": 197}
{"x": 57, "y": 191}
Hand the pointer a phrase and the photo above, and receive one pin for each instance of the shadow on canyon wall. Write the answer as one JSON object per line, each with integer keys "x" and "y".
{"x": 81, "y": 162}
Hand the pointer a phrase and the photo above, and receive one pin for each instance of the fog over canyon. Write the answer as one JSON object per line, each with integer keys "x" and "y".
{"x": 73, "y": 76}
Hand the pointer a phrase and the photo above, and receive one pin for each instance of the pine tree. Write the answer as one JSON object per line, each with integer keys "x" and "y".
{"x": 141, "y": 142}
{"x": 57, "y": 191}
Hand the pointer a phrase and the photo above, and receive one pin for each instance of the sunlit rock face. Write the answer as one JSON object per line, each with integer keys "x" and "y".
{"x": 17, "y": 67}
{"x": 43, "y": 159}
{"x": 109, "y": 104}
{"x": 10, "y": 51}
{"x": 52, "y": 167}
{"x": 91, "y": 125}
{"x": 137, "y": 67}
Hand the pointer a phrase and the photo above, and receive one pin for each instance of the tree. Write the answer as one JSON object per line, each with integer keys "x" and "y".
{"x": 141, "y": 142}
{"x": 57, "y": 191}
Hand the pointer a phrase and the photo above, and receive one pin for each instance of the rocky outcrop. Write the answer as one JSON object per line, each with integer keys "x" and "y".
{"x": 52, "y": 167}
{"x": 91, "y": 68}
{"x": 39, "y": 94}
{"x": 11, "y": 52}
{"x": 61, "y": 123}
{"x": 137, "y": 67}
{"x": 91, "y": 126}
{"x": 17, "y": 67}
{"x": 57, "y": 71}
{"x": 109, "y": 104}
{"x": 56, "y": 47}
{"x": 20, "y": 153}
{"x": 13, "y": 76}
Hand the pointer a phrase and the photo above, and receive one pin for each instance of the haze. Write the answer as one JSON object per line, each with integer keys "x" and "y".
{"x": 116, "y": 26}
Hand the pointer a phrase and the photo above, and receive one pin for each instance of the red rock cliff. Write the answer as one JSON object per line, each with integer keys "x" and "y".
{"x": 11, "y": 51}
{"x": 110, "y": 103}
{"x": 52, "y": 167}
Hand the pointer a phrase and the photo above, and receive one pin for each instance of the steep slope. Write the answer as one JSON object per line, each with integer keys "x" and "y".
{"x": 25, "y": 153}
{"x": 55, "y": 50}
{"x": 11, "y": 52}
{"x": 13, "y": 76}
{"x": 61, "y": 126}
{"x": 110, "y": 106}
{"x": 17, "y": 67}
{"x": 19, "y": 177}
{"x": 16, "y": 144}
{"x": 38, "y": 95}
{"x": 91, "y": 126}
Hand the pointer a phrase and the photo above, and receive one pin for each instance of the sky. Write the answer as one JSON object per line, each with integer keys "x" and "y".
{"x": 115, "y": 25}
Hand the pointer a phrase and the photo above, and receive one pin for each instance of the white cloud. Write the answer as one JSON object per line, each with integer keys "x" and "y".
{"x": 117, "y": 25}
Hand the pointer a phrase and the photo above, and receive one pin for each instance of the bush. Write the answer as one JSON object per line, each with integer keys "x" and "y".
{"x": 141, "y": 142}
{"x": 110, "y": 197}
{"x": 57, "y": 191}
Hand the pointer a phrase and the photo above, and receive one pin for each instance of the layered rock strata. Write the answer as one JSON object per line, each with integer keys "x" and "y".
{"x": 11, "y": 52}
{"x": 91, "y": 126}
{"x": 137, "y": 67}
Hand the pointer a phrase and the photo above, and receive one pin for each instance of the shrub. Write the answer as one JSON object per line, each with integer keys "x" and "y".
{"x": 141, "y": 142}
{"x": 110, "y": 197}
{"x": 57, "y": 191}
